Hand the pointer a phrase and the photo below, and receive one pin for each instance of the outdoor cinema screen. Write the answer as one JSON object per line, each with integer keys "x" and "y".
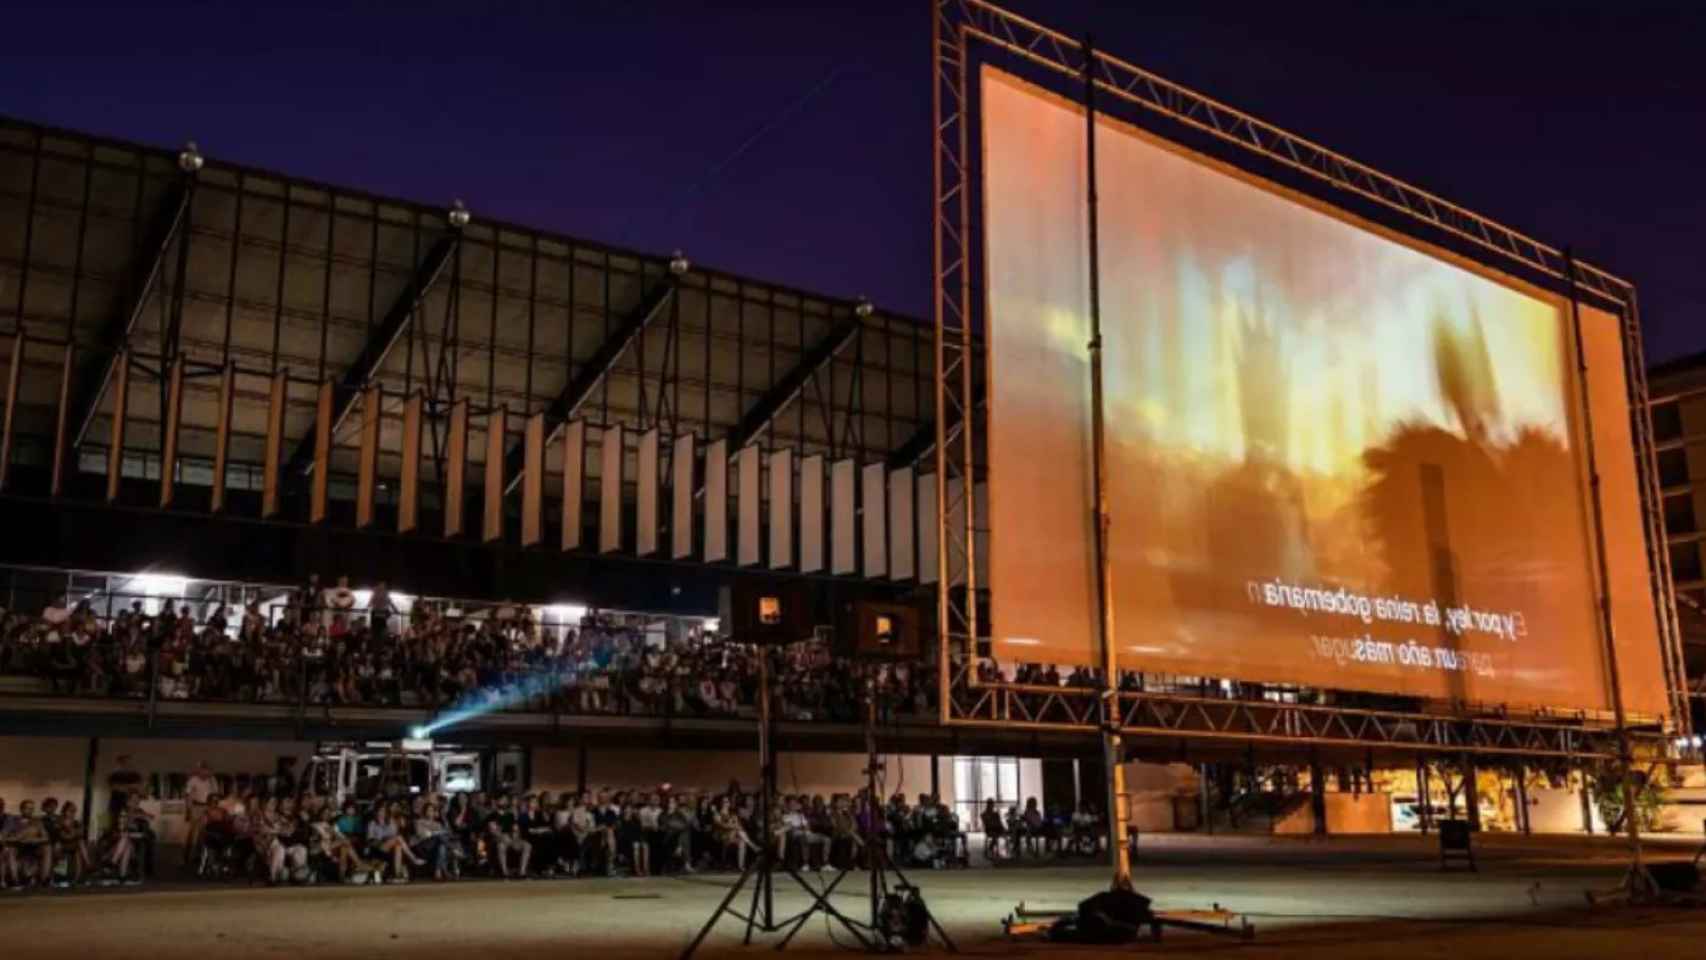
{"x": 1335, "y": 457}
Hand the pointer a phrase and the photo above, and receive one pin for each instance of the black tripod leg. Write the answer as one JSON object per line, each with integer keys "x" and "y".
{"x": 717, "y": 914}
{"x": 819, "y": 898}
{"x": 820, "y": 901}
{"x": 757, "y": 893}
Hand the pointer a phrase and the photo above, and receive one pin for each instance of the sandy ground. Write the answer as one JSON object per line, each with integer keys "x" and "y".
{"x": 1384, "y": 897}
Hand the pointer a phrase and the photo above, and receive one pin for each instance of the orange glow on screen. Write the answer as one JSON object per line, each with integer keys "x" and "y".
{"x": 1334, "y": 459}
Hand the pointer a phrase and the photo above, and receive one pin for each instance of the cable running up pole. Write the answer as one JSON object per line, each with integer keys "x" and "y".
{"x": 1113, "y": 751}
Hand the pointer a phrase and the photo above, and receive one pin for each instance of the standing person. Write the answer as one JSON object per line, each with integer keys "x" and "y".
{"x": 310, "y": 600}
{"x": 338, "y": 601}
{"x": 198, "y": 790}
{"x": 380, "y": 609}
{"x": 675, "y": 830}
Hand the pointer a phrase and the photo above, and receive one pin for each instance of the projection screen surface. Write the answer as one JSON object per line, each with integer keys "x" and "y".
{"x": 1334, "y": 459}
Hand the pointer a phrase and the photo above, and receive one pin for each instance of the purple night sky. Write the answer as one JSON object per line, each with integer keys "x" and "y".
{"x": 1584, "y": 124}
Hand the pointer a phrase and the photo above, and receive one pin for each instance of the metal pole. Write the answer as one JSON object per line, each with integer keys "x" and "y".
{"x": 1639, "y": 881}
{"x": 767, "y": 785}
{"x": 1424, "y": 792}
{"x": 89, "y": 784}
{"x": 872, "y": 837}
{"x": 1113, "y": 751}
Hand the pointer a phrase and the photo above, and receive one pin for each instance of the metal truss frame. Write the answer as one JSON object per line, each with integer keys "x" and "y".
{"x": 1176, "y": 716}
{"x": 956, "y": 25}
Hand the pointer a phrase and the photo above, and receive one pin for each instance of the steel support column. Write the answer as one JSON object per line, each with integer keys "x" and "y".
{"x": 783, "y": 391}
{"x": 347, "y": 390}
{"x": 591, "y": 374}
{"x": 96, "y": 371}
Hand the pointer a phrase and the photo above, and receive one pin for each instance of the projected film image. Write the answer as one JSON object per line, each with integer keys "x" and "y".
{"x": 1333, "y": 458}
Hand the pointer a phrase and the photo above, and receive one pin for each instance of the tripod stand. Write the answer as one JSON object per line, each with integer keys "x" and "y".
{"x": 876, "y": 855}
{"x": 762, "y": 869}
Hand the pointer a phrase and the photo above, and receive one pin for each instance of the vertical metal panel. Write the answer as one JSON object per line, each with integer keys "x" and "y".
{"x": 57, "y": 482}
{"x": 843, "y": 535}
{"x": 927, "y": 533}
{"x": 574, "y": 479}
{"x": 874, "y": 480}
{"x": 169, "y": 439}
{"x": 409, "y": 484}
{"x": 121, "y": 405}
{"x": 322, "y": 452}
{"x": 781, "y": 509}
{"x": 610, "y": 491}
{"x": 646, "y": 495}
{"x": 717, "y": 501}
{"x": 222, "y": 437}
{"x": 275, "y": 443}
{"x": 811, "y": 513}
{"x": 901, "y": 553}
{"x": 747, "y": 550}
{"x": 497, "y": 436}
{"x": 367, "y": 473}
{"x": 455, "y": 468}
{"x": 681, "y": 495}
{"x": 533, "y": 481}
{"x": 13, "y": 376}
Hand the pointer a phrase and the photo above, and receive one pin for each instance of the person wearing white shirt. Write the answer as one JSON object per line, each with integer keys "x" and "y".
{"x": 198, "y": 789}
{"x": 797, "y": 828}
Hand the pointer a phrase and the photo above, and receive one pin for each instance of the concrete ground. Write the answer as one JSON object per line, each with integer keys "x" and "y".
{"x": 1347, "y": 897}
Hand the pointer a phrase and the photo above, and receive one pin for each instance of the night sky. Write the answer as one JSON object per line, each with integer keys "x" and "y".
{"x": 792, "y": 141}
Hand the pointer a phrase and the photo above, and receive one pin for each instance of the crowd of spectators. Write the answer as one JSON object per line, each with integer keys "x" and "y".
{"x": 322, "y": 647}
{"x": 277, "y": 836}
{"x": 51, "y": 846}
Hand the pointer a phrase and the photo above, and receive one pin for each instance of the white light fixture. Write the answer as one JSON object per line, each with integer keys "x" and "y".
{"x": 458, "y": 215}
{"x": 190, "y": 159}
{"x": 679, "y": 264}
{"x": 863, "y": 308}
{"x": 1022, "y": 641}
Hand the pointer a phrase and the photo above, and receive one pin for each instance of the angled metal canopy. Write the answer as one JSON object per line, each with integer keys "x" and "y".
{"x": 347, "y": 390}
{"x": 591, "y": 373}
{"x": 96, "y": 371}
{"x": 783, "y": 392}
